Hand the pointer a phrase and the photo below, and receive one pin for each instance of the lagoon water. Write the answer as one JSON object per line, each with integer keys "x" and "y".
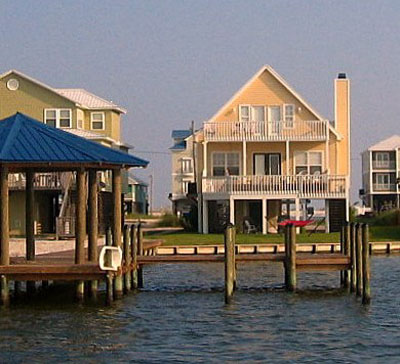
{"x": 180, "y": 316}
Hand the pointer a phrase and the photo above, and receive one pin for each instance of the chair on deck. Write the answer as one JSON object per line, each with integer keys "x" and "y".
{"x": 249, "y": 228}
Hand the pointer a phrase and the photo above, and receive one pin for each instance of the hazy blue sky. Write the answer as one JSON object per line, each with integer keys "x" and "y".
{"x": 170, "y": 62}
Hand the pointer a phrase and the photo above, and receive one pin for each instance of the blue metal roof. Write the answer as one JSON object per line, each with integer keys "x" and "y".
{"x": 26, "y": 140}
{"x": 180, "y": 134}
{"x": 179, "y": 146}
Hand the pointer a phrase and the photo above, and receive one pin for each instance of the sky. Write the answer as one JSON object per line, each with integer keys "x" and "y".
{"x": 169, "y": 62}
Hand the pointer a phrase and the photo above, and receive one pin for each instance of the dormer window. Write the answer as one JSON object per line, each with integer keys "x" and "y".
{"x": 58, "y": 118}
{"x": 97, "y": 120}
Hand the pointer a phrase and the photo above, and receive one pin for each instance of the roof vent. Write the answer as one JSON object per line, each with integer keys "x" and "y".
{"x": 341, "y": 76}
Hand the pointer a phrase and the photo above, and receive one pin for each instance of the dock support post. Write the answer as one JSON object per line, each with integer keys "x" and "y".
{"x": 140, "y": 253}
{"x": 134, "y": 252}
{"x": 117, "y": 218}
{"x": 30, "y": 224}
{"x": 17, "y": 289}
{"x": 80, "y": 228}
{"x": 291, "y": 258}
{"x": 4, "y": 233}
{"x": 286, "y": 266}
{"x": 366, "y": 297}
{"x": 347, "y": 254}
{"x": 127, "y": 260}
{"x": 93, "y": 227}
{"x": 342, "y": 252}
{"x": 229, "y": 262}
{"x": 353, "y": 272}
{"x": 109, "y": 278}
{"x": 359, "y": 268}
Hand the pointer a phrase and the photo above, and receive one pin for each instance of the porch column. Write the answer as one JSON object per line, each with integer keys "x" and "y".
{"x": 205, "y": 216}
{"x": 80, "y": 227}
{"x": 205, "y": 159}
{"x": 264, "y": 216}
{"x": 287, "y": 158}
{"x": 117, "y": 219}
{"x": 4, "y": 233}
{"x": 232, "y": 210}
{"x": 297, "y": 213}
{"x": 30, "y": 215}
{"x": 244, "y": 173}
{"x": 93, "y": 224}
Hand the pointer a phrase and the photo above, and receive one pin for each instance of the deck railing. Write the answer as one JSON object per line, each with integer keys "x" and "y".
{"x": 389, "y": 164}
{"x": 298, "y": 130}
{"x": 42, "y": 181}
{"x": 308, "y": 186}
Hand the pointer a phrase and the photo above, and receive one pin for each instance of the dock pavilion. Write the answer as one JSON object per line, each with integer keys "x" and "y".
{"x": 29, "y": 146}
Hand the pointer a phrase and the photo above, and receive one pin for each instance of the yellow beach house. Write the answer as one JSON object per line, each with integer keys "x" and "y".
{"x": 268, "y": 155}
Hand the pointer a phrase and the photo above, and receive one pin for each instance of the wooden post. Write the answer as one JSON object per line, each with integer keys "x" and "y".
{"x": 134, "y": 252}
{"x": 291, "y": 258}
{"x": 93, "y": 226}
{"x": 359, "y": 260}
{"x": 353, "y": 272}
{"x": 116, "y": 226}
{"x": 229, "y": 262}
{"x": 80, "y": 229}
{"x": 4, "y": 233}
{"x": 140, "y": 253}
{"x": 109, "y": 279}
{"x": 17, "y": 289}
{"x": 342, "y": 232}
{"x": 347, "y": 238}
{"x": 127, "y": 260}
{"x": 286, "y": 264}
{"x": 366, "y": 297}
{"x": 30, "y": 215}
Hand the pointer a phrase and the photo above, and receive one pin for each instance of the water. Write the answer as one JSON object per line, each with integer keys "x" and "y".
{"x": 181, "y": 317}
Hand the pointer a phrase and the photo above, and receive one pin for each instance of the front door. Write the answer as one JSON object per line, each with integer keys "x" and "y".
{"x": 267, "y": 164}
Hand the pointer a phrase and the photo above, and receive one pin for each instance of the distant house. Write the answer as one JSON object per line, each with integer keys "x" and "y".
{"x": 182, "y": 171}
{"x": 76, "y": 111}
{"x": 264, "y": 156}
{"x": 137, "y": 197}
{"x": 380, "y": 168}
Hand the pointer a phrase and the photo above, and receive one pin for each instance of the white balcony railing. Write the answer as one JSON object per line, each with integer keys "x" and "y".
{"x": 391, "y": 187}
{"x": 42, "y": 181}
{"x": 299, "y": 130}
{"x": 390, "y": 164}
{"x": 309, "y": 186}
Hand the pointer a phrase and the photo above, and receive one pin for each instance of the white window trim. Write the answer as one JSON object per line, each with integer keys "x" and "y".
{"x": 308, "y": 165}
{"x": 240, "y": 112}
{"x": 284, "y": 116}
{"x": 58, "y": 112}
{"x": 80, "y": 112}
{"x": 217, "y": 152}
{"x": 96, "y": 121}
{"x": 191, "y": 165}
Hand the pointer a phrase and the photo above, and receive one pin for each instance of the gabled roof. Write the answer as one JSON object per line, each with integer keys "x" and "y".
{"x": 24, "y": 140}
{"x": 87, "y": 134}
{"x": 180, "y": 134}
{"x": 79, "y": 97}
{"x": 134, "y": 180}
{"x": 391, "y": 143}
{"x": 179, "y": 146}
{"x": 284, "y": 83}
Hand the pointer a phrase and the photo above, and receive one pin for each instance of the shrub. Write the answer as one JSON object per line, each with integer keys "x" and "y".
{"x": 387, "y": 218}
{"x": 170, "y": 220}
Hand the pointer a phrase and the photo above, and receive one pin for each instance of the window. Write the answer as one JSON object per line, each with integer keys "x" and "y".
{"x": 185, "y": 187}
{"x": 244, "y": 112}
{"x": 98, "y": 120}
{"x": 225, "y": 164}
{"x": 308, "y": 162}
{"x": 384, "y": 181}
{"x": 79, "y": 119}
{"x": 58, "y": 118}
{"x": 186, "y": 165}
{"x": 288, "y": 111}
{"x": 382, "y": 160}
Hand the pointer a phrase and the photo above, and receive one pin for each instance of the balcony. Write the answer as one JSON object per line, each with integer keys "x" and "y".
{"x": 385, "y": 164}
{"x": 384, "y": 187}
{"x": 42, "y": 181}
{"x": 260, "y": 131}
{"x": 307, "y": 186}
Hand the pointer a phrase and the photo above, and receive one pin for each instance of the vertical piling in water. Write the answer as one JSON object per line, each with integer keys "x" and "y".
{"x": 366, "y": 296}
{"x": 353, "y": 271}
{"x": 109, "y": 280}
{"x": 17, "y": 289}
{"x": 359, "y": 268}
{"x": 342, "y": 232}
{"x": 134, "y": 253}
{"x": 5, "y": 293}
{"x": 286, "y": 264}
{"x": 291, "y": 258}
{"x": 127, "y": 260}
{"x": 229, "y": 241}
{"x": 347, "y": 237}
{"x": 140, "y": 253}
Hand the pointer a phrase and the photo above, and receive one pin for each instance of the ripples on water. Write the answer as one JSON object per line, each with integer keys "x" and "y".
{"x": 180, "y": 316}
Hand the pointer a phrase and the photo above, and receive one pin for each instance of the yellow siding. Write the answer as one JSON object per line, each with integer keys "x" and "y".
{"x": 342, "y": 124}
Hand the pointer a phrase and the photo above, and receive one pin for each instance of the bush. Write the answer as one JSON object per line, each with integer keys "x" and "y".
{"x": 387, "y": 218}
{"x": 170, "y": 220}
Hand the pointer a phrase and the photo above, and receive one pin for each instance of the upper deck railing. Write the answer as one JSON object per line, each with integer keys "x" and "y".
{"x": 298, "y": 130}
{"x": 42, "y": 181}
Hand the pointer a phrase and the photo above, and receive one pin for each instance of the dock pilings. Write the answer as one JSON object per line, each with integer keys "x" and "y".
{"x": 290, "y": 258}
{"x": 230, "y": 266}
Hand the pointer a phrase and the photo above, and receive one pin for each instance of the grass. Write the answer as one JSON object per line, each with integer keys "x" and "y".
{"x": 377, "y": 233}
{"x": 135, "y": 216}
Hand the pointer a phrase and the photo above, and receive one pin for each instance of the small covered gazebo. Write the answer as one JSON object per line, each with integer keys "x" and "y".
{"x": 29, "y": 146}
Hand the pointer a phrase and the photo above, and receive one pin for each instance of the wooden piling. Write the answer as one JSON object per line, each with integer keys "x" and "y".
{"x": 127, "y": 259}
{"x": 229, "y": 241}
{"x": 116, "y": 227}
{"x": 286, "y": 242}
{"x": 291, "y": 258}
{"x": 366, "y": 296}
{"x": 140, "y": 253}
{"x": 93, "y": 227}
{"x": 134, "y": 253}
{"x": 4, "y": 233}
{"x": 80, "y": 228}
{"x": 17, "y": 289}
{"x": 30, "y": 215}
{"x": 353, "y": 271}
{"x": 342, "y": 232}
{"x": 359, "y": 282}
{"x": 5, "y": 293}
{"x": 109, "y": 279}
{"x": 346, "y": 252}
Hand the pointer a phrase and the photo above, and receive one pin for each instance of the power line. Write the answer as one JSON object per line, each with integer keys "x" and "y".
{"x": 150, "y": 152}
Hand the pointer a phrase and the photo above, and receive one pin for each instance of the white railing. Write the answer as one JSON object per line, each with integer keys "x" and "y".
{"x": 309, "y": 186}
{"x": 42, "y": 181}
{"x": 390, "y": 164}
{"x": 384, "y": 187}
{"x": 299, "y": 130}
